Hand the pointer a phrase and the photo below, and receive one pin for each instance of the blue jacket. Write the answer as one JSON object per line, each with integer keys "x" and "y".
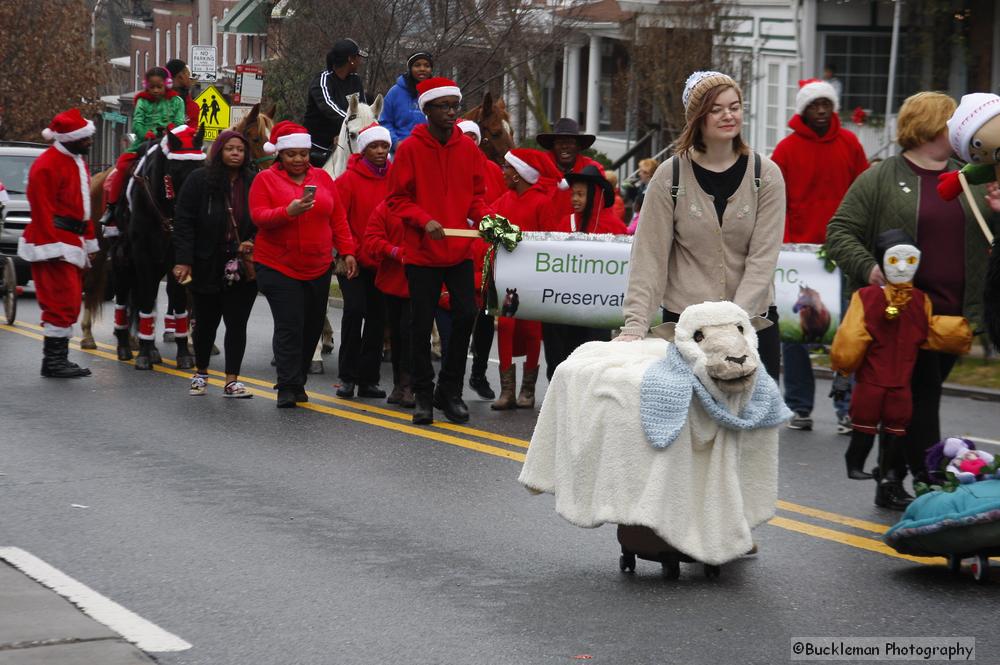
{"x": 400, "y": 113}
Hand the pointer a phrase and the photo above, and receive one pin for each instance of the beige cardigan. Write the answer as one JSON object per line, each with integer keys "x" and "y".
{"x": 684, "y": 257}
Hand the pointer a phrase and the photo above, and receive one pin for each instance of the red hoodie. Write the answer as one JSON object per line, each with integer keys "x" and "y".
{"x": 383, "y": 246}
{"x": 818, "y": 171}
{"x": 602, "y": 220}
{"x": 430, "y": 181}
{"x": 561, "y": 204}
{"x": 299, "y": 247}
{"x": 361, "y": 190}
{"x": 496, "y": 186}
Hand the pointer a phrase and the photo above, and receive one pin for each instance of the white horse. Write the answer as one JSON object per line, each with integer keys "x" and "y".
{"x": 359, "y": 116}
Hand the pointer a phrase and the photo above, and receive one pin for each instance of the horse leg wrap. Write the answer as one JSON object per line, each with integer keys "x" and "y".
{"x": 180, "y": 324}
{"x": 169, "y": 323}
{"x": 121, "y": 317}
{"x": 147, "y": 326}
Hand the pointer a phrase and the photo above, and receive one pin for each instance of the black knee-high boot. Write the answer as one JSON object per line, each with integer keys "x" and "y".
{"x": 889, "y": 493}
{"x": 55, "y": 360}
{"x": 857, "y": 453}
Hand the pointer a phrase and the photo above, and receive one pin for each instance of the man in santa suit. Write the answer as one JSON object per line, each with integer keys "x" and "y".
{"x": 59, "y": 242}
{"x": 437, "y": 183}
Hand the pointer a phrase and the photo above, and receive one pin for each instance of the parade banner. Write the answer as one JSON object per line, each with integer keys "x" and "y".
{"x": 581, "y": 279}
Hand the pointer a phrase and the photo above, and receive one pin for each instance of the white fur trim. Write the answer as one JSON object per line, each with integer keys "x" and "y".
{"x": 563, "y": 184}
{"x": 33, "y": 253}
{"x": 269, "y": 148}
{"x": 471, "y": 127}
{"x": 90, "y": 245}
{"x": 69, "y": 137}
{"x": 289, "y": 141}
{"x": 50, "y": 330}
{"x": 186, "y": 156}
{"x": 437, "y": 93}
{"x": 84, "y": 176}
{"x": 810, "y": 92}
{"x": 523, "y": 169}
{"x": 972, "y": 113}
{"x": 111, "y": 232}
{"x": 373, "y": 134}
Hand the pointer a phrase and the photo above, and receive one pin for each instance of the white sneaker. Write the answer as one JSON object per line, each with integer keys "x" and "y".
{"x": 844, "y": 425}
{"x": 237, "y": 390}
{"x": 199, "y": 385}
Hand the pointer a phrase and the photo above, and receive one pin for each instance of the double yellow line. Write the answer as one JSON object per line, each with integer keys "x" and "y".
{"x": 511, "y": 448}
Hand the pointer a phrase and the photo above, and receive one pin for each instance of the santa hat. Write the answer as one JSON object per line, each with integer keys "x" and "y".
{"x": 68, "y": 126}
{"x": 471, "y": 127}
{"x": 812, "y": 89}
{"x": 434, "y": 88}
{"x": 287, "y": 134}
{"x": 372, "y": 133}
{"x": 975, "y": 111}
{"x": 189, "y": 148}
{"x": 533, "y": 165}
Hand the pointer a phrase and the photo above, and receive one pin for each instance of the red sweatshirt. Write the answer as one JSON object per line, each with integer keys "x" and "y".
{"x": 602, "y": 220}
{"x": 561, "y": 205}
{"x": 430, "y": 181}
{"x": 818, "y": 171}
{"x": 383, "y": 246}
{"x": 495, "y": 184}
{"x": 299, "y": 247}
{"x": 360, "y": 190}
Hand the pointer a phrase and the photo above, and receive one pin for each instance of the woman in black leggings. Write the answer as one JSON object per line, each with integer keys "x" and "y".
{"x": 212, "y": 231}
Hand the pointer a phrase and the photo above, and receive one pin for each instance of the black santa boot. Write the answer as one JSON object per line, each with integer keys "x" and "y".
{"x": 55, "y": 362}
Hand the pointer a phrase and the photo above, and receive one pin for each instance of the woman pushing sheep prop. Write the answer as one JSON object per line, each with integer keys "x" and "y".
{"x": 678, "y": 435}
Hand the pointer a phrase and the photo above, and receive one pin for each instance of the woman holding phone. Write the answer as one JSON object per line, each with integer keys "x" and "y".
{"x": 300, "y": 223}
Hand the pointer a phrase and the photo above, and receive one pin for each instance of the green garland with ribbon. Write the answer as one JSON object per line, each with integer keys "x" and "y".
{"x": 498, "y": 232}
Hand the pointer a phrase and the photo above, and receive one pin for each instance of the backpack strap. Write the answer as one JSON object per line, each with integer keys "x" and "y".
{"x": 756, "y": 171}
{"x": 675, "y": 188}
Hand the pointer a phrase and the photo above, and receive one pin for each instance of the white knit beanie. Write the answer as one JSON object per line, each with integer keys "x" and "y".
{"x": 976, "y": 110}
{"x": 812, "y": 89}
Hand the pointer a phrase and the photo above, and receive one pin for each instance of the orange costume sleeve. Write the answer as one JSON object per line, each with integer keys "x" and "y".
{"x": 852, "y": 339}
{"x": 947, "y": 334}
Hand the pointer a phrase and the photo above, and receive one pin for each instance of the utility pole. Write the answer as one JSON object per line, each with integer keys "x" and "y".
{"x": 93, "y": 25}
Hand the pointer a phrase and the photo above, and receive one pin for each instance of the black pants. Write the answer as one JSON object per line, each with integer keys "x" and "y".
{"x": 425, "y": 290}
{"x": 482, "y": 342}
{"x": 298, "y": 308}
{"x": 768, "y": 341}
{"x": 398, "y": 310}
{"x": 929, "y": 374}
{"x": 560, "y": 340}
{"x": 361, "y": 329}
{"x": 232, "y": 305}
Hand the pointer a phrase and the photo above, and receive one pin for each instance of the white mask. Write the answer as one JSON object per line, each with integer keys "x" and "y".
{"x": 900, "y": 263}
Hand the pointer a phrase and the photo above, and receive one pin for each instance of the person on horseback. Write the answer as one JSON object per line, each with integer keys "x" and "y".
{"x": 59, "y": 241}
{"x": 326, "y": 104}
{"x": 182, "y": 86}
{"x": 401, "y": 112}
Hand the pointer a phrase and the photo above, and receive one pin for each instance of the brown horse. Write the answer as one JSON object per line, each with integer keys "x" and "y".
{"x": 814, "y": 317}
{"x": 95, "y": 280}
{"x": 494, "y": 125}
{"x": 256, "y": 127}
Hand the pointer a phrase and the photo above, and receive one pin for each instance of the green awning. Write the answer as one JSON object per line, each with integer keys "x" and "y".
{"x": 248, "y": 17}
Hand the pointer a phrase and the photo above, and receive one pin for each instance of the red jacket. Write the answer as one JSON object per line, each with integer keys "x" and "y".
{"x": 561, "y": 204}
{"x": 496, "y": 186}
{"x": 818, "y": 171}
{"x": 191, "y": 110}
{"x": 430, "y": 181}
{"x": 604, "y": 221}
{"x": 299, "y": 247}
{"x": 360, "y": 191}
{"x": 527, "y": 210}
{"x": 58, "y": 185}
{"x": 383, "y": 246}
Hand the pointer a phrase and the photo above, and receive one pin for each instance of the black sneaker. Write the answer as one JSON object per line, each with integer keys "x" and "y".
{"x": 801, "y": 421}
{"x": 286, "y": 399}
{"x": 482, "y": 387}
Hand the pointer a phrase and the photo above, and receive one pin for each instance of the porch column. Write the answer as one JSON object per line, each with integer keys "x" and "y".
{"x": 573, "y": 86}
{"x": 594, "y": 86}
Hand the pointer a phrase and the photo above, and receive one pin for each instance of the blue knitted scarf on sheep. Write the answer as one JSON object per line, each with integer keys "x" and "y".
{"x": 665, "y": 397}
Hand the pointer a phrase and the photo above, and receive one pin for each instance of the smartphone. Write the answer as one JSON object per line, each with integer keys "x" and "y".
{"x": 309, "y": 192}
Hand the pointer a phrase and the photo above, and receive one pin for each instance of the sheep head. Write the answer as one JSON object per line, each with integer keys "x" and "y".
{"x": 719, "y": 342}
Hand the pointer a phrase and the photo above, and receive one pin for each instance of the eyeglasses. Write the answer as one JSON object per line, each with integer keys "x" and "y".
{"x": 444, "y": 106}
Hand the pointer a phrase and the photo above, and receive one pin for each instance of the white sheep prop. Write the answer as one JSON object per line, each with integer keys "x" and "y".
{"x": 679, "y": 437}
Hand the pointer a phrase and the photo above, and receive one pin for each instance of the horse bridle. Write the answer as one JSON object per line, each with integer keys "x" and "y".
{"x": 350, "y": 143}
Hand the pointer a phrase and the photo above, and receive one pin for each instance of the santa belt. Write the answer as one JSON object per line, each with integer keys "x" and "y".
{"x": 69, "y": 224}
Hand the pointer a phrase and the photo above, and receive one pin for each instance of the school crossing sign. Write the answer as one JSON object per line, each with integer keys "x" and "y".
{"x": 214, "y": 112}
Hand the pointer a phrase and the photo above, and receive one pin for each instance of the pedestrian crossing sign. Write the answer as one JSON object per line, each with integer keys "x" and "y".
{"x": 214, "y": 112}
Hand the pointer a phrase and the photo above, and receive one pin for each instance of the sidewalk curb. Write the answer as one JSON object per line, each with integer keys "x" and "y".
{"x": 336, "y": 302}
{"x": 952, "y": 389}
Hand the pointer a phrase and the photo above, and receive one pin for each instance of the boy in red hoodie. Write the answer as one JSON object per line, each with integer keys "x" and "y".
{"x": 437, "y": 183}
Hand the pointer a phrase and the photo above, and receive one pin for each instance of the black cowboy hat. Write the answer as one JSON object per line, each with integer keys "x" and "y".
{"x": 566, "y": 127}
{"x": 591, "y": 176}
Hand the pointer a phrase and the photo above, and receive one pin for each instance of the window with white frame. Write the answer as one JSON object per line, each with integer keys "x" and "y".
{"x": 779, "y": 87}
{"x": 861, "y": 63}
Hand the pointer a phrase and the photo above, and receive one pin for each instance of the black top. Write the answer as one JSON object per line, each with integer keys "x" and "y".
{"x": 326, "y": 106}
{"x": 722, "y": 185}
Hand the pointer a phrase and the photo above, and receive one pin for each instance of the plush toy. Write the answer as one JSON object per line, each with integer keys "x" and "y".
{"x": 878, "y": 342}
{"x": 966, "y": 463}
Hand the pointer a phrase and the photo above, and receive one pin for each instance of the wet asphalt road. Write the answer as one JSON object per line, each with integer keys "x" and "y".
{"x": 337, "y": 535}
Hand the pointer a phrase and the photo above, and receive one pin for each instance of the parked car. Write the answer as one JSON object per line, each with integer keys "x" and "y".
{"x": 15, "y": 160}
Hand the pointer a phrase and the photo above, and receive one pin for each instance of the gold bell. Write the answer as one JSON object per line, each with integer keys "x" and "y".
{"x": 891, "y": 312}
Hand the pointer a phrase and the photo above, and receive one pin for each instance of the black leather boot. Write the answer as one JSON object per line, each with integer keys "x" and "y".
{"x": 454, "y": 408}
{"x": 423, "y": 413}
{"x": 55, "y": 362}
{"x": 890, "y": 492}
{"x": 857, "y": 453}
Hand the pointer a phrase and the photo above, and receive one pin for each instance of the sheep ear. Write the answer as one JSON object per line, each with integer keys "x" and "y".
{"x": 665, "y": 331}
{"x": 759, "y": 323}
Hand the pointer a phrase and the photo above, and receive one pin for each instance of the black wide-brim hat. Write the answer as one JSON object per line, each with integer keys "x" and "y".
{"x": 566, "y": 128}
{"x": 591, "y": 176}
